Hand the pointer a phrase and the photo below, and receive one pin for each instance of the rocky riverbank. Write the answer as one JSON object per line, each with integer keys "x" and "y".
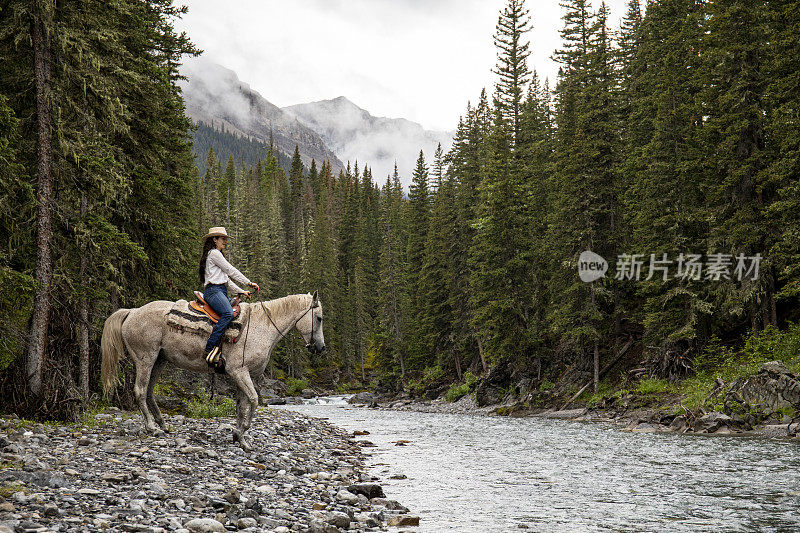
{"x": 303, "y": 475}
{"x": 765, "y": 404}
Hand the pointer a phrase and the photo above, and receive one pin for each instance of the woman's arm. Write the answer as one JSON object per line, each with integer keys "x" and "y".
{"x": 219, "y": 260}
{"x": 234, "y": 289}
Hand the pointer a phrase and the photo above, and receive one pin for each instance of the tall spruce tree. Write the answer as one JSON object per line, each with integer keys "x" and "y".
{"x": 512, "y": 68}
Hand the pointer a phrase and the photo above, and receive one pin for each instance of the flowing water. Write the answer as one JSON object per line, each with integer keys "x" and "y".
{"x": 478, "y": 473}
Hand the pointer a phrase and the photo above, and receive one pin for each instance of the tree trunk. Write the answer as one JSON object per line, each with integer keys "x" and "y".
{"x": 480, "y": 350}
{"x": 83, "y": 318}
{"x": 44, "y": 196}
{"x": 596, "y": 352}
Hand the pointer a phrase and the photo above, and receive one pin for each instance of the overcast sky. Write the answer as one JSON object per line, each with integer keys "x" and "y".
{"x": 416, "y": 59}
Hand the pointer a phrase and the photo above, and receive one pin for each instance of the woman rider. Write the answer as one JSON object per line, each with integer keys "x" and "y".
{"x": 216, "y": 273}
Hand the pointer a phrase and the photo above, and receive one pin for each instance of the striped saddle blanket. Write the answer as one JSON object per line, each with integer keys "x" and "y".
{"x": 184, "y": 317}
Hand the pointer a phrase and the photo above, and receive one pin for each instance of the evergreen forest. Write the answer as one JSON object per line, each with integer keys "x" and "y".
{"x": 673, "y": 140}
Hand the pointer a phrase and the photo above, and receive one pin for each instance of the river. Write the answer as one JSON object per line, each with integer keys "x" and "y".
{"x": 478, "y": 473}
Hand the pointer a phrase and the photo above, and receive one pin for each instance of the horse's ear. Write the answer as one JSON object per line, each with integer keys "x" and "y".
{"x": 314, "y": 299}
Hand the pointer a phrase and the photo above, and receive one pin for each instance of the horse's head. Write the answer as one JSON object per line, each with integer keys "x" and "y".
{"x": 310, "y": 326}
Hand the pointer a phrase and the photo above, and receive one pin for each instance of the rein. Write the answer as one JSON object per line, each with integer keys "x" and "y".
{"x": 269, "y": 315}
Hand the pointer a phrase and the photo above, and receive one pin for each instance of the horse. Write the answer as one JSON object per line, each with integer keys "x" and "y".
{"x": 144, "y": 335}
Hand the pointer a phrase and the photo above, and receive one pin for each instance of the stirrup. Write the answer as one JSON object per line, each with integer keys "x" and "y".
{"x": 215, "y": 360}
{"x": 213, "y": 356}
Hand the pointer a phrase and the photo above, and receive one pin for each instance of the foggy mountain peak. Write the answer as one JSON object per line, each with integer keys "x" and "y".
{"x": 355, "y": 134}
{"x": 215, "y": 95}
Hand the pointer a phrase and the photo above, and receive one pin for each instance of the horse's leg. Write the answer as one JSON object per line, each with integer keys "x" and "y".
{"x": 244, "y": 416}
{"x": 144, "y": 366}
{"x": 240, "y": 402}
{"x": 155, "y": 373}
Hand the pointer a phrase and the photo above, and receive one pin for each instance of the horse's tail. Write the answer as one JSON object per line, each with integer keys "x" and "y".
{"x": 112, "y": 347}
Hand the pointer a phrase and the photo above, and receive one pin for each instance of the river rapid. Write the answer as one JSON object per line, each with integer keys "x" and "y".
{"x": 480, "y": 473}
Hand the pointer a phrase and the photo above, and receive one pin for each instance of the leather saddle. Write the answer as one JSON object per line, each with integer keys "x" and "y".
{"x": 203, "y": 307}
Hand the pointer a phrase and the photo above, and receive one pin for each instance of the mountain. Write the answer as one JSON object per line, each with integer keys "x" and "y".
{"x": 355, "y": 135}
{"x": 217, "y": 97}
{"x": 242, "y": 149}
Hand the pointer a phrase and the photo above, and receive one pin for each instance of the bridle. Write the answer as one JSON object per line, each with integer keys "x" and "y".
{"x": 310, "y": 345}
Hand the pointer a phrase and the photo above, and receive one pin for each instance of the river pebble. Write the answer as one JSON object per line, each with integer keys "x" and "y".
{"x": 109, "y": 474}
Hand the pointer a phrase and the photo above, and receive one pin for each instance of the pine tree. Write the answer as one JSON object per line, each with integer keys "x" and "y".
{"x": 512, "y": 68}
{"x": 418, "y": 216}
{"x": 584, "y": 181}
{"x": 783, "y": 133}
{"x": 500, "y": 256}
{"x": 665, "y": 199}
{"x": 391, "y": 268}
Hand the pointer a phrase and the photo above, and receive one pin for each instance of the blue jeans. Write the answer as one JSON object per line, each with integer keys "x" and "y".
{"x": 217, "y": 297}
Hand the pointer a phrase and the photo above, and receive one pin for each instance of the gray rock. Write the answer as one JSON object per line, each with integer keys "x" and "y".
{"x": 50, "y": 509}
{"x": 711, "y": 422}
{"x": 370, "y": 490}
{"x": 308, "y": 393}
{"x": 340, "y": 520}
{"x": 774, "y": 430}
{"x": 244, "y": 523}
{"x": 346, "y": 496}
{"x": 775, "y": 387}
{"x": 403, "y": 521}
{"x": 361, "y": 398}
{"x": 391, "y": 505}
{"x": 204, "y": 525}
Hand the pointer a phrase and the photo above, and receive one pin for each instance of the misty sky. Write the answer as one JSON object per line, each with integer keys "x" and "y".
{"x": 416, "y": 59}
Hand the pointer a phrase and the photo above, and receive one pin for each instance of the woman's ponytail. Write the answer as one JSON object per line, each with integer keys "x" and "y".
{"x": 208, "y": 245}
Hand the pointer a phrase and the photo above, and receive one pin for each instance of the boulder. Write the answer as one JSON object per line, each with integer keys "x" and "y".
{"x": 370, "y": 490}
{"x": 711, "y": 422}
{"x": 204, "y": 525}
{"x": 340, "y": 520}
{"x": 361, "y": 398}
{"x": 403, "y": 520}
{"x": 773, "y": 388}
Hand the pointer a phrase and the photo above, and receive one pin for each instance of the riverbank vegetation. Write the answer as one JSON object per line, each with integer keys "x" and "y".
{"x": 673, "y": 141}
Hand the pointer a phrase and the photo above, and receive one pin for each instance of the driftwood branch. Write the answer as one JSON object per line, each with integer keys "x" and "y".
{"x": 602, "y": 372}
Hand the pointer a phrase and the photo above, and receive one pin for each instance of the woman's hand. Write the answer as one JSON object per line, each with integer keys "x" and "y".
{"x": 247, "y": 294}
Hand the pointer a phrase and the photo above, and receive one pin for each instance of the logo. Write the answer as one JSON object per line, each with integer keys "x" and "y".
{"x": 591, "y": 266}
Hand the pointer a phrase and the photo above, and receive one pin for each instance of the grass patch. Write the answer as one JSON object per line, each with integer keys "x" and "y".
{"x": 655, "y": 386}
{"x": 205, "y": 407}
{"x": 604, "y": 390}
{"x": 6, "y": 491}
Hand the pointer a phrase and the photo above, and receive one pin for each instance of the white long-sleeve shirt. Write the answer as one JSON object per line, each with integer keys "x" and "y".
{"x": 219, "y": 270}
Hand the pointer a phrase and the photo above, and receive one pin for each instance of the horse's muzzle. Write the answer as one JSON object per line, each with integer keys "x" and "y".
{"x": 312, "y": 347}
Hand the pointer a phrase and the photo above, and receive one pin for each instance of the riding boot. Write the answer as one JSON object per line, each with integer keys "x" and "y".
{"x": 214, "y": 360}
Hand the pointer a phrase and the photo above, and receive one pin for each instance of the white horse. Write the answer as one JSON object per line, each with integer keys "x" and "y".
{"x": 144, "y": 335}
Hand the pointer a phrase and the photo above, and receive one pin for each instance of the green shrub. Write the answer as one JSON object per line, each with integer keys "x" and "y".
{"x": 457, "y": 390}
{"x": 295, "y": 386}
{"x": 430, "y": 377}
{"x": 205, "y": 407}
{"x": 714, "y": 356}
{"x": 546, "y": 385}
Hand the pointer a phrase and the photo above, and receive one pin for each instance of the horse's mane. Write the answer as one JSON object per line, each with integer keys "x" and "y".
{"x": 279, "y": 306}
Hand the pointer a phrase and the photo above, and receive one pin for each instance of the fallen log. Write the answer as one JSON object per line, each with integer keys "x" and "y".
{"x": 602, "y": 372}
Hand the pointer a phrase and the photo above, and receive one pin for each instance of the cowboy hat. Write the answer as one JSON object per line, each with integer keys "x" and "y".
{"x": 217, "y": 231}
